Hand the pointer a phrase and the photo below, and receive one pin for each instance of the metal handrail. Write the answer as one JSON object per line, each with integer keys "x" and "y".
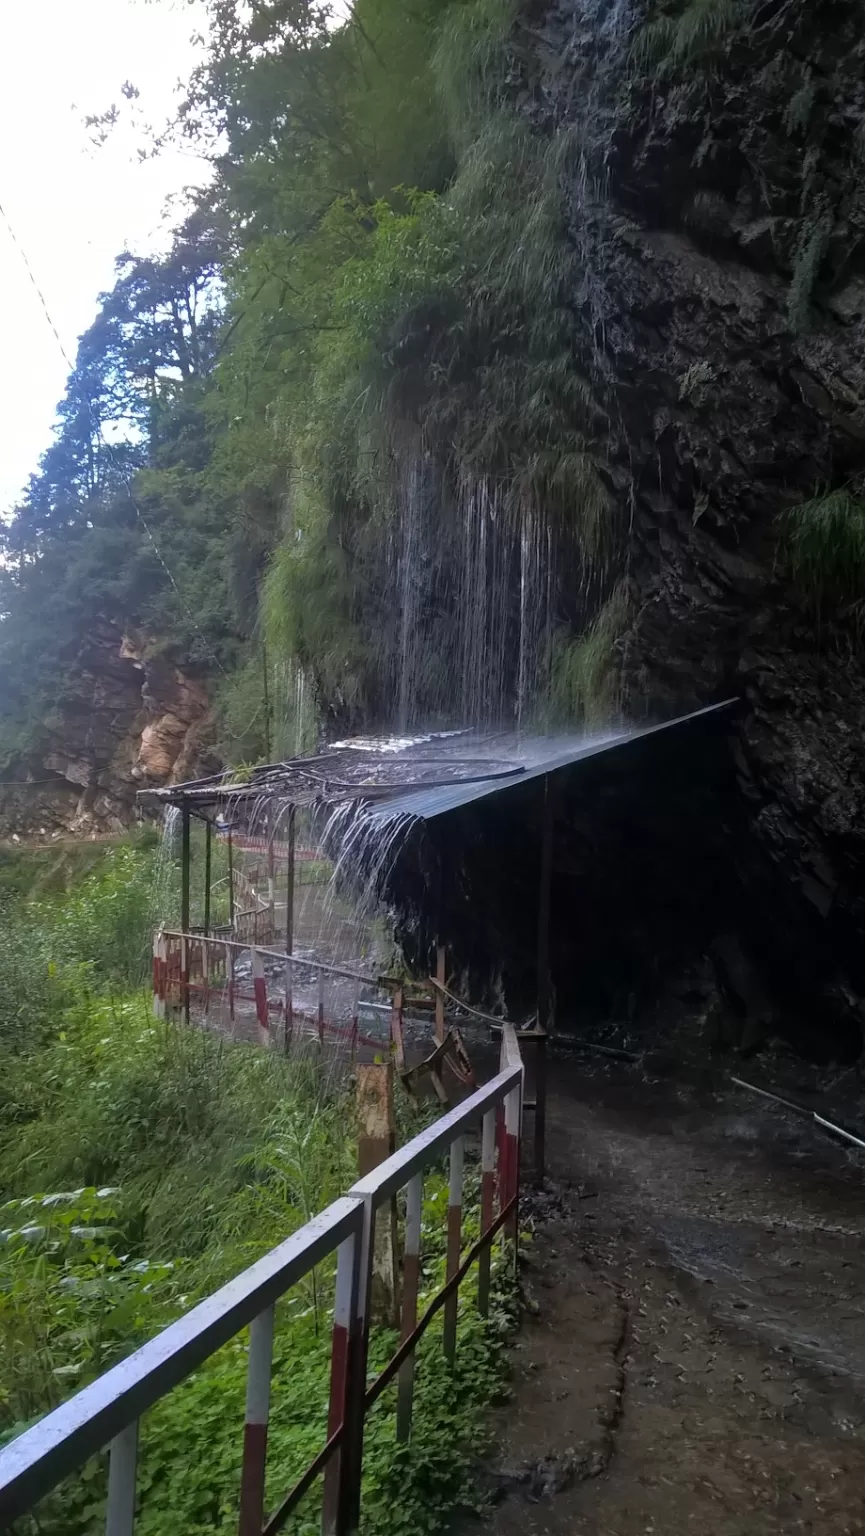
{"x": 276, "y": 954}
{"x": 110, "y": 1407}
{"x": 41, "y": 1457}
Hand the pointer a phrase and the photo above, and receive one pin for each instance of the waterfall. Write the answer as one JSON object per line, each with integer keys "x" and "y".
{"x": 472, "y": 594}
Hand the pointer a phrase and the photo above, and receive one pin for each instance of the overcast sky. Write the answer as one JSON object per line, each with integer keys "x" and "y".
{"x": 72, "y": 205}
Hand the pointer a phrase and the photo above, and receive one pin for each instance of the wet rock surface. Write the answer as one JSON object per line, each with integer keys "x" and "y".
{"x": 716, "y": 205}
{"x": 133, "y": 720}
{"x": 694, "y": 1355}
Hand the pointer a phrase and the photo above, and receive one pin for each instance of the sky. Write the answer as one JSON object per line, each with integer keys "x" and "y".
{"x": 72, "y": 204}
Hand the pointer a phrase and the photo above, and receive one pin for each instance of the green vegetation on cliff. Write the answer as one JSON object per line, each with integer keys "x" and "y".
{"x": 379, "y": 268}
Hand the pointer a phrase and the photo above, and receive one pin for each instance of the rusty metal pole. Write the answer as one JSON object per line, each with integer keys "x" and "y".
{"x": 441, "y": 977}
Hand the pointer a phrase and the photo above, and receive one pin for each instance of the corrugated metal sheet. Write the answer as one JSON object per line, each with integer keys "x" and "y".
{"x": 542, "y": 757}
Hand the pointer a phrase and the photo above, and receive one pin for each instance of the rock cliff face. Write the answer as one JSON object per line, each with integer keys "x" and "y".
{"x": 717, "y": 198}
{"x": 132, "y": 721}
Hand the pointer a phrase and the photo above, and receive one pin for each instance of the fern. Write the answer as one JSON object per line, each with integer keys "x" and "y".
{"x": 702, "y": 25}
{"x": 812, "y": 247}
{"x": 798, "y": 113}
{"x": 824, "y": 540}
{"x": 585, "y": 682}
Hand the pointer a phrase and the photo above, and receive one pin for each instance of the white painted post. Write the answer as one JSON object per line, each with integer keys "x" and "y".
{"x": 488, "y": 1185}
{"x": 347, "y": 1274}
{"x": 410, "y": 1288}
{"x": 455, "y": 1216}
{"x": 120, "y": 1511}
{"x": 255, "y": 1429}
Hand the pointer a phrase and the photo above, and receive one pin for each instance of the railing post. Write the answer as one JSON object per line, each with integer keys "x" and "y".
{"x": 455, "y": 1218}
{"x": 159, "y": 974}
{"x": 288, "y": 1030}
{"x": 351, "y": 1461}
{"x": 184, "y": 975}
{"x": 259, "y": 987}
{"x": 540, "y": 1106}
{"x": 120, "y": 1511}
{"x": 255, "y": 1429}
{"x": 355, "y": 1019}
{"x": 229, "y": 979}
{"x": 488, "y": 1185}
{"x": 410, "y": 1288}
{"x": 512, "y": 1162}
{"x": 333, "y": 1514}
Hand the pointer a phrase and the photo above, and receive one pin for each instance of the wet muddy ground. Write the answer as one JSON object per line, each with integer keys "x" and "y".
{"x": 696, "y": 1360}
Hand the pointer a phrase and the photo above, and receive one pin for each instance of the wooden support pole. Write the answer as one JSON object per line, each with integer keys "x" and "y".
{"x": 230, "y": 882}
{"x": 441, "y": 978}
{"x": 208, "y": 854}
{"x": 375, "y": 1142}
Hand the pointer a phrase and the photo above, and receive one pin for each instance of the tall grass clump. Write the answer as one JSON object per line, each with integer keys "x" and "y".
{"x": 585, "y": 674}
{"x": 685, "y": 31}
{"x": 824, "y": 543}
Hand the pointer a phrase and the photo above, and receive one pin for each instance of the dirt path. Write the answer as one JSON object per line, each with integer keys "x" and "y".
{"x": 697, "y": 1360}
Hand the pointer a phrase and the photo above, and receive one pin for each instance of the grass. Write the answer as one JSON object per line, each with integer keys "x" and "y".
{"x": 585, "y": 673}
{"x": 824, "y": 544}
{"x": 141, "y": 1166}
{"x": 678, "y": 35}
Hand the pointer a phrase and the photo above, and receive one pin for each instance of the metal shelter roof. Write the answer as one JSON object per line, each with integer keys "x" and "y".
{"x": 421, "y": 777}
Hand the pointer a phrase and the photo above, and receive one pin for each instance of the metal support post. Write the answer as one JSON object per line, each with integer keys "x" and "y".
{"x": 120, "y": 1512}
{"x": 185, "y": 857}
{"x": 351, "y": 1461}
{"x": 540, "y": 1105}
{"x": 333, "y": 1519}
{"x": 410, "y": 1288}
{"x": 488, "y": 1187}
{"x": 455, "y": 1217}
{"x": 544, "y": 906}
{"x": 255, "y": 1429}
{"x": 208, "y": 840}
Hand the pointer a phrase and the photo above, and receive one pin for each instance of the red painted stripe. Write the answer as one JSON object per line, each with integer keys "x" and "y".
{"x": 260, "y": 989}
{"x": 252, "y": 1480}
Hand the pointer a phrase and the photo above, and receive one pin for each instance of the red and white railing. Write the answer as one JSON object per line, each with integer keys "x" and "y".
{"x": 109, "y": 1411}
{"x": 192, "y": 966}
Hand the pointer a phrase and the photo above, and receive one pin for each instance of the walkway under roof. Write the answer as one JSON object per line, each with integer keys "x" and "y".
{"x": 419, "y": 777}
